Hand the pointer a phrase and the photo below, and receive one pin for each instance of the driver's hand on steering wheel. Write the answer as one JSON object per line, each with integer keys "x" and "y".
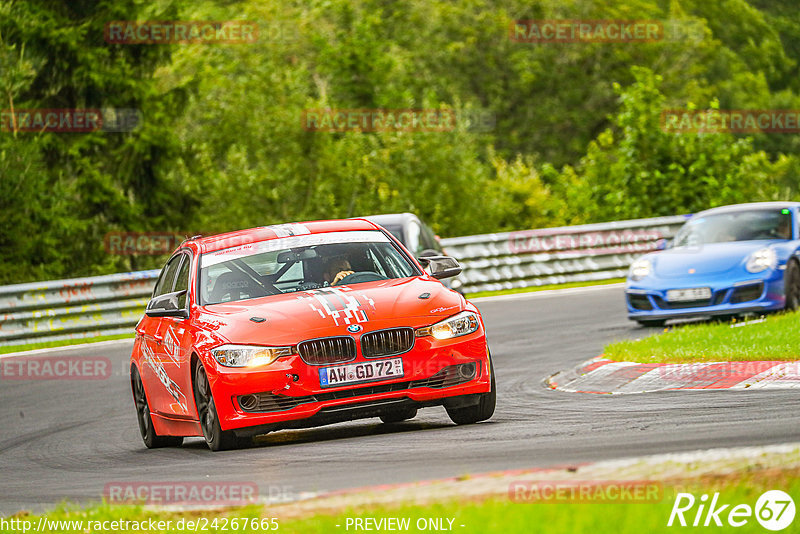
{"x": 340, "y": 275}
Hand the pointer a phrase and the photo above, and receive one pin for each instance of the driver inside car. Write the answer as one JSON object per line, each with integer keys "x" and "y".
{"x": 337, "y": 268}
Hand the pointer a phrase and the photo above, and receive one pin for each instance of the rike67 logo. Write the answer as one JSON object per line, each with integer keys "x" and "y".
{"x": 774, "y": 510}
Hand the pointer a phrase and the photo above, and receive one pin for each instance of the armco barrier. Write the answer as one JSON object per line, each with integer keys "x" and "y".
{"x": 556, "y": 255}
{"x": 76, "y": 308}
{"x": 113, "y": 304}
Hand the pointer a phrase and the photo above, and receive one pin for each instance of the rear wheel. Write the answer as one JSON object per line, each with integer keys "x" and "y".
{"x": 216, "y": 438}
{"x": 791, "y": 283}
{"x": 651, "y": 322}
{"x": 396, "y": 417}
{"x": 149, "y": 436}
{"x": 477, "y": 412}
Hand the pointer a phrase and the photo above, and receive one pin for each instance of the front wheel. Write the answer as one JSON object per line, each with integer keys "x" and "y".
{"x": 149, "y": 436}
{"x": 791, "y": 283}
{"x": 652, "y": 322}
{"x": 477, "y": 412}
{"x": 216, "y": 438}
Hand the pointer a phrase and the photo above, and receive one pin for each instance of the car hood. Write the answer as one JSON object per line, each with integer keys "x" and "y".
{"x": 711, "y": 259}
{"x": 294, "y": 317}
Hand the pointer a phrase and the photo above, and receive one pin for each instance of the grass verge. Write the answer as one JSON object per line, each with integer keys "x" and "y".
{"x": 62, "y": 343}
{"x": 484, "y": 515}
{"x": 776, "y": 337}
{"x": 544, "y": 288}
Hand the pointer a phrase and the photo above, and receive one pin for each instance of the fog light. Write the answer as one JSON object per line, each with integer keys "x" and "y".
{"x": 466, "y": 370}
{"x": 248, "y": 402}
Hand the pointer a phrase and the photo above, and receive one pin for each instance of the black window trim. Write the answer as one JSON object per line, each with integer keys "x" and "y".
{"x": 184, "y": 253}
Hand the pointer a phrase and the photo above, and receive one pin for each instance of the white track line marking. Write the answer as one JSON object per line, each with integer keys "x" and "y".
{"x": 66, "y": 347}
{"x": 549, "y": 293}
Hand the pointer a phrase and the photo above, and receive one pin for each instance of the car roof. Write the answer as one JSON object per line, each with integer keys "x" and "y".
{"x": 264, "y": 233}
{"x": 392, "y": 218}
{"x": 749, "y": 206}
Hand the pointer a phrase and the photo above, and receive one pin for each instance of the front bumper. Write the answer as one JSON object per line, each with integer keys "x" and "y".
{"x": 291, "y": 394}
{"x": 761, "y": 292}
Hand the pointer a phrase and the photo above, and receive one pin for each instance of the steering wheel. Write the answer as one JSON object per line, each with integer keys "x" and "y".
{"x": 361, "y": 276}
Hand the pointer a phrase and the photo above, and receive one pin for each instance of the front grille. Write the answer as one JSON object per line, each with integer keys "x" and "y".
{"x": 328, "y": 350}
{"x": 666, "y": 305}
{"x": 387, "y": 342}
{"x": 447, "y": 377}
{"x": 639, "y": 302}
{"x": 747, "y": 293}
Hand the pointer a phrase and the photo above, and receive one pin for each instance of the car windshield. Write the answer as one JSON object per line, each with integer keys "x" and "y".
{"x": 299, "y": 263}
{"x": 747, "y": 225}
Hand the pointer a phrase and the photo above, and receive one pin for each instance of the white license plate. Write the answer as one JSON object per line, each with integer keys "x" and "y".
{"x": 685, "y": 295}
{"x": 341, "y": 375}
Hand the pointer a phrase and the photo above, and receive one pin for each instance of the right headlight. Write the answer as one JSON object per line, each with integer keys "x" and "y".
{"x": 460, "y": 324}
{"x": 248, "y": 355}
{"x": 761, "y": 260}
{"x": 640, "y": 268}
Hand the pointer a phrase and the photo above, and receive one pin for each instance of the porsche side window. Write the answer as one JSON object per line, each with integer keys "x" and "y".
{"x": 429, "y": 239}
{"x": 167, "y": 278}
{"x": 414, "y": 244}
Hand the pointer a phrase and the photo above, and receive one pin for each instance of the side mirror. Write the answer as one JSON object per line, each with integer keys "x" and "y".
{"x": 663, "y": 244}
{"x": 167, "y": 305}
{"x": 441, "y": 267}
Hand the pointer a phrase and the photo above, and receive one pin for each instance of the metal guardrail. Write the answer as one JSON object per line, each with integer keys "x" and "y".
{"x": 75, "y": 308}
{"x": 113, "y": 304}
{"x": 588, "y": 252}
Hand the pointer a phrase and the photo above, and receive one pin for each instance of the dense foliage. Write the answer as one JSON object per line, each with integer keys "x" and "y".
{"x": 574, "y": 134}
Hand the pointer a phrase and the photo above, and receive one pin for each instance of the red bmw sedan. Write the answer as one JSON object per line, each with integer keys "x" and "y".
{"x": 301, "y": 325}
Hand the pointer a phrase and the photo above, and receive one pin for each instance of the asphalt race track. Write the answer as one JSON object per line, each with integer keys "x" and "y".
{"x": 67, "y": 439}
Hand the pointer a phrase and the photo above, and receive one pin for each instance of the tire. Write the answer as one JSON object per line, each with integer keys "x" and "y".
{"x": 791, "y": 283}
{"x": 216, "y": 438}
{"x": 146, "y": 428}
{"x": 651, "y": 323}
{"x": 396, "y": 417}
{"x": 478, "y": 412}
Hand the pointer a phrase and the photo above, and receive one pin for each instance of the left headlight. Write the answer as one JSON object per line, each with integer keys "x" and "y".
{"x": 761, "y": 260}
{"x": 458, "y": 325}
{"x": 248, "y": 355}
{"x": 640, "y": 269}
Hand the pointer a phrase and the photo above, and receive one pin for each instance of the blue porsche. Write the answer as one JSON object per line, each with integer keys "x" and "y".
{"x": 725, "y": 261}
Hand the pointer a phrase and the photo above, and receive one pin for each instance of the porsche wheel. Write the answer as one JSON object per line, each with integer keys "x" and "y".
{"x": 477, "y": 412}
{"x": 792, "y": 286}
{"x": 149, "y": 436}
{"x": 216, "y": 438}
